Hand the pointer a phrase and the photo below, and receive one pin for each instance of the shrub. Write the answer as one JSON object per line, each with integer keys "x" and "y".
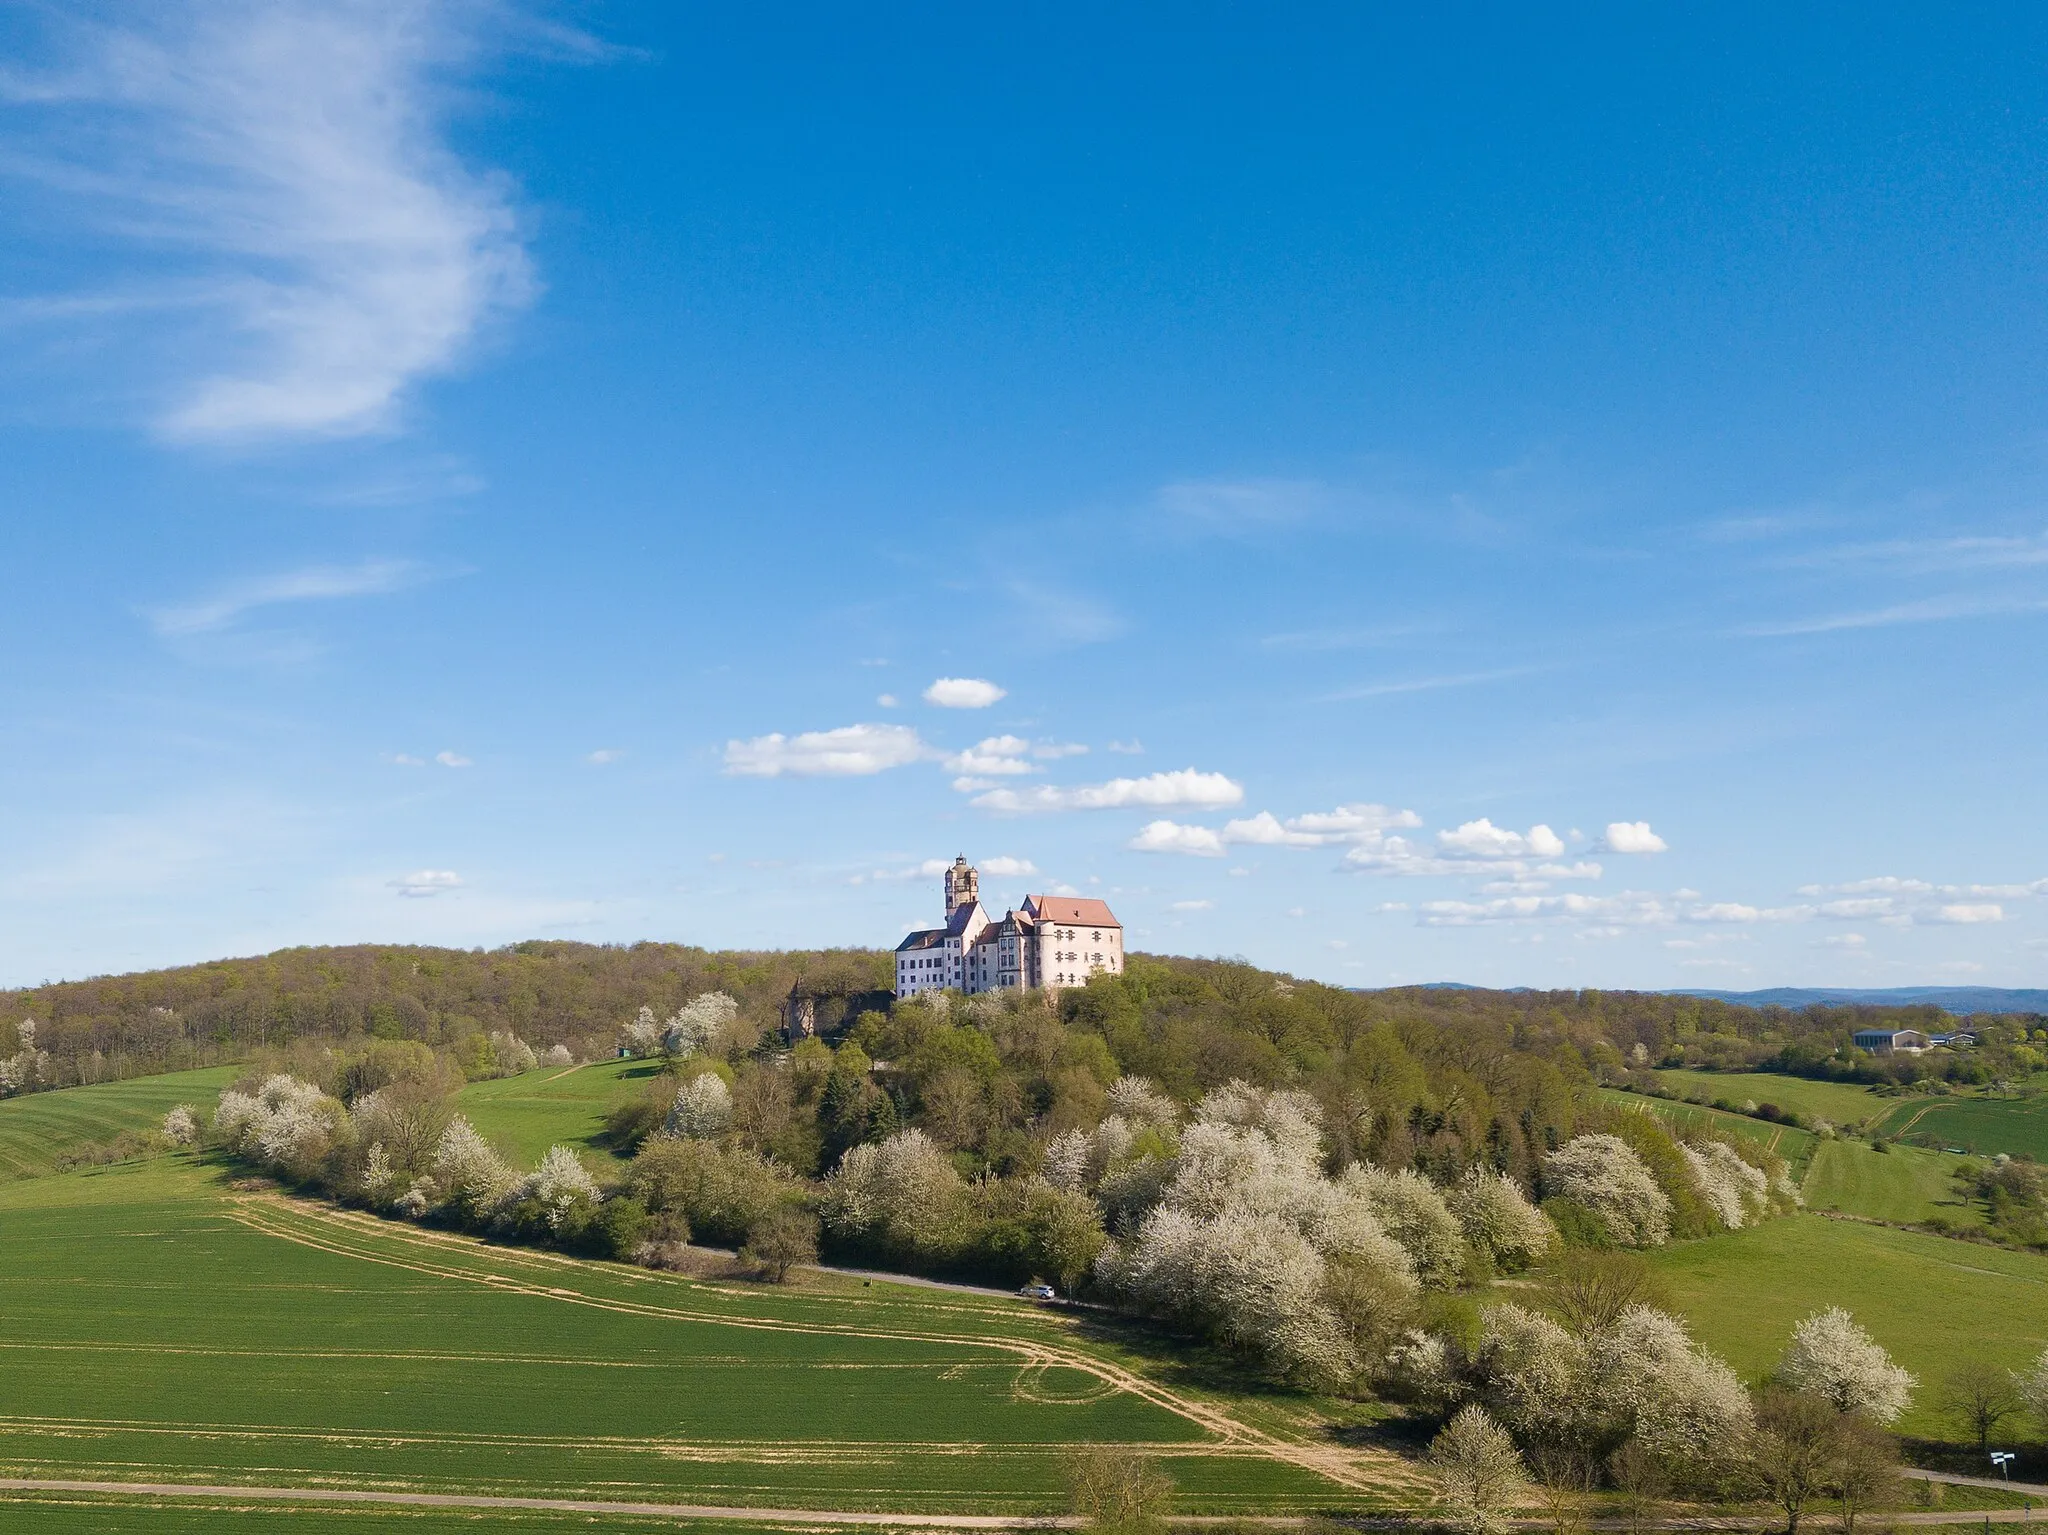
{"x": 1479, "y": 1471}
{"x": 1498, "y": 1220}
{"x": 719, "y": 1191}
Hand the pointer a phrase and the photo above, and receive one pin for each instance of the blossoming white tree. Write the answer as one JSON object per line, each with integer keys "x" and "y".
{"x": 558, "y": 1184}
{"x": 469, "y": 1175}
{"x": 1480, "y": 1472}
{"x": 181, "y": 1125}
{"x": 702, "y": 1110}
{"x": 1831, "y": 1356}
{"x": 1736, "y": 1192}
{"x": 1498, "y": 1219}
{"x": 1415, "y": 1214}
{"x": 1604, "y": 1174}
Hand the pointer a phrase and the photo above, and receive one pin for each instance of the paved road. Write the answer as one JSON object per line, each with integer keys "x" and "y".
{"x": 2031, "y": 1489}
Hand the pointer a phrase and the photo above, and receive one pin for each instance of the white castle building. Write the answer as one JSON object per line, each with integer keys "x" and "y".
{"x": 1055, "y": 941}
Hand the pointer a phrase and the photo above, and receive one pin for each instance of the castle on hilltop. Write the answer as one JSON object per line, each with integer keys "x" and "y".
{"x": 1054, "y": 941}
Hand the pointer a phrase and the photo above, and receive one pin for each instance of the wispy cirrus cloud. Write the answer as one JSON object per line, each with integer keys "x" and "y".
{"x": 314, "y": 583}
{"x": 1425, "y": 684}
{"x": 284, "y": 176}
{"x": 1925, "y": 610}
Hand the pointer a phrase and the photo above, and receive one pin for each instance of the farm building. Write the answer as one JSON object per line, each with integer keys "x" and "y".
{"x": 1890, "y": 1041}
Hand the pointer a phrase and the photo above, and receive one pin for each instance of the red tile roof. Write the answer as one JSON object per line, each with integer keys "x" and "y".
{"x": 1074, "y": 909}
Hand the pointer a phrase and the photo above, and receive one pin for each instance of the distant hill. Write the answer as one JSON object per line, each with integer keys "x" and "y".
{"x": 1952, "y": 999}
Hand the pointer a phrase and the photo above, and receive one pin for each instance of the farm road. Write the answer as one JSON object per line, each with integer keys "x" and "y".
{"x": 830, "y": 1517}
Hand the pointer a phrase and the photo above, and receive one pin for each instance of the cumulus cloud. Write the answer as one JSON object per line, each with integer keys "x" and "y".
{"x": 994, "y": 757}
{"x": 1482, "y": 839}
{"x": 1128, "y": 748}
{"x": 454, "y": 760}
{"x": 314, "y": 583}
{"x": 1185, "y": 786}
{"x": 1194, "y": 905}
{"x": 888, "y": 701}
{"x": 1851, "y": 942}
{"x": 964, "y": 693}
{"x": 290, "y": 165}
{"x": 1961, "y": 914}
{"x": 427, "y": 882}
{"x": 604, "y": 756}
{"x": 1633, "y": 837}
{"x": 1172, "y": 837}
{"x": 1052, "y": 751}
{"x": 1003, "y": 867}
{"x": 851, "y": 751}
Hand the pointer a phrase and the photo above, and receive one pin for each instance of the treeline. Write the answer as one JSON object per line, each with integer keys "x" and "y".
{"x": 569, "y": 994}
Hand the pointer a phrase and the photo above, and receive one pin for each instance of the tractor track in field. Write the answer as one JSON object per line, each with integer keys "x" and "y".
{"x": 330, "y": 1230}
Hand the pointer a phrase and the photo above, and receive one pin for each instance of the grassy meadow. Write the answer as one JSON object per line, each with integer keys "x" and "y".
{"x": 1788, "y": 1141}
{"x": 160, "y": 1324}
{"x": 555, "y": 1105}
{"x": 38, "y": 1128}
{"x": 1905, "y": 1183}
{"x": 2018, "y": 1126}
{"x": 1933, "y": 1302}
{"x": 1842, "y": 1103}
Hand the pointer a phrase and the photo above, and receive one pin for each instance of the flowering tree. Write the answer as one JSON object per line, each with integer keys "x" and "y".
{"x": 1415, "y": 1214}
{"x": 1480, "y": 1472}
{"x": 902, "y": 1195}
{"x": 510, "y": 1055}
{"x": 1498, "y": 1219}
{"x": 696, "y": 1024}
{"x": 181, "y": 1125}
{"x": 28, "y": 1067}
{"x": 2033, "y": 1388}
{"x": 557, "y": 1055}
{"x": 1602, "y": 1173}
{"x": 1832, "y": 1357}
{"x": 558, "y": 1186}
{"x": 702, "y": 1110}
{"x": 1736, "y": 1192}
{"x": 286, "y": 1125}
{"x": 469, "y": 1175}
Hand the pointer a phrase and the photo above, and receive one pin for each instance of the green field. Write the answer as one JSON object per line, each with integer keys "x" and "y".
{"x": 554, "y": 1106}
{"x": 37, "y": 1128}
{"x": 1841, "y": 1103}
{"x": 2018, "y": 1126}
{"x": 1932, "y": 1301}
{"x": 1788, "y": 1141}
{"x": 159, "y": 1325}
{"x": 1905, "y": 1183}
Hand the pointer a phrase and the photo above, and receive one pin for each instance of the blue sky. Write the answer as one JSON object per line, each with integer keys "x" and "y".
{"x": 1552, "y": 501}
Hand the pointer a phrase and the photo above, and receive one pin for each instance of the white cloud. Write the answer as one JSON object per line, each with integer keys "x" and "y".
{"x": 931, "y": 868}
{"x": 1241, "y": 505}
{"x": 315, "y": 583}
{"x": 1885, "y": 884}
{"x": 1185, "y": 786}
{"x": 427, "y": 882}
{"x": 1926, "y": 610}
{"x": 1959, "y": 966}
{"x": 1128, "y": 748}
{"x": 1004, "y": 867}
{"x": 406, "y": 759}
{"x": 1194, "y": 905}
{"x": 604, "y": 756}
{"x": 453, "y": 760}
{"x": 964, "y": 693}
{"x": 1052, "y": 751}
{"x": 851, "y": 751}
{"x": 1854, "y": 910}
{"x": 1633, "y": 837}
{"x": 1172, "y": 837}
{"x": 1849, "y": 941}
{"x": 289, "y": 164}
{"x": 1482, "y": 839}
{"x": 888, "y": 700}
{"x": 1961, "y": 914}
{"x": 997, "y": 756}
{"x": 1735, "y": 911}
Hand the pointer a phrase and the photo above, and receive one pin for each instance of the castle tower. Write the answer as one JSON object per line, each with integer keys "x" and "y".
{"x": 963, "y": 885}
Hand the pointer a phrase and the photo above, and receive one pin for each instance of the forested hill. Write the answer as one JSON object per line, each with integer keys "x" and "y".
{"x": 1196, "y": 1021}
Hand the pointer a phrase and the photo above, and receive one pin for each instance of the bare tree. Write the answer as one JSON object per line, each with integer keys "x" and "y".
{"x": 1978, "y": 1397}
{"x": 1792, "y": 1450}
{"x": 782, "y": 1238}
{"x": 1641, "y": 1481}
{"x": 1118, "y": 1490}
{"x": 1589, "y": 1292}
{"x": 1564, "y": 1479}
{"x": 1864, "y": 1470}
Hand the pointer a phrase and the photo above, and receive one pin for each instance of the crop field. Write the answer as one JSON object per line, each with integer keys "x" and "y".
{"x": 1788, "y": 1141}
{"x": 37, "y": 1128}
{"x": 1934, "y": 1302}
{"x": 158, "y": 1324}
{"x": 1843, "y": 1103}
{"x": 560, "y": 1105}
{"x": 1905, "y": 1183}
{"x": 2018, "y": 1126}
